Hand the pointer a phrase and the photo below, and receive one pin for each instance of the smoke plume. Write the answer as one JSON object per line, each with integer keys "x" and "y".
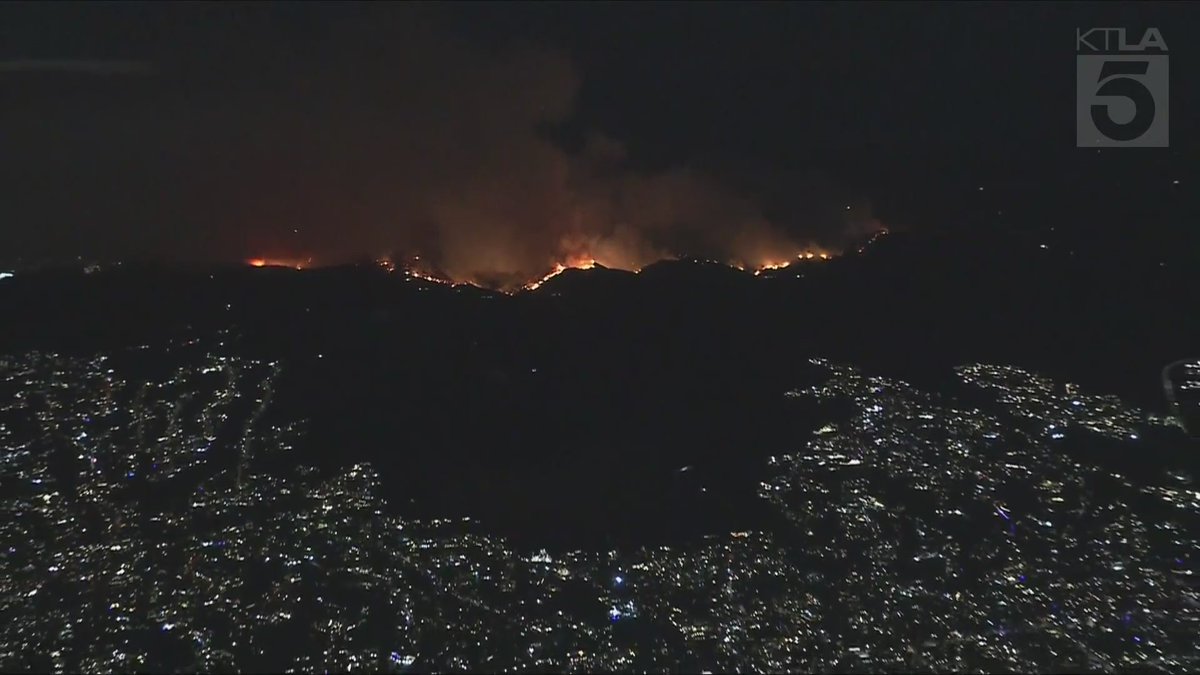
{"x": 383, "y": 137}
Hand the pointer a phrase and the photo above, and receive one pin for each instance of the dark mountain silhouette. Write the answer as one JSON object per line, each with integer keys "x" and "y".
{"x": 604, "y": 380}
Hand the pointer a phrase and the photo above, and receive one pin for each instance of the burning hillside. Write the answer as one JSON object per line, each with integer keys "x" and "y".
{"x": 294, "y": 263}
{"x": 416, "y": 267}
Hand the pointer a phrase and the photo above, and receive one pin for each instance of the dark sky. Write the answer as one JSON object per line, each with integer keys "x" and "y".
{"x": 497, "y": 138}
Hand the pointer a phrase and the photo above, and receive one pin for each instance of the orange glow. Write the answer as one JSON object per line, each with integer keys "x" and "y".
{"x": 771, "y": 266}
{"x": 872, "y": 239}
{"x": 582, "y": 261}
{"x": 428, "y": 277}
{"x": 576, "y": 263}
{"x": 294, "y": 263}
{"x": 780, "y": 264}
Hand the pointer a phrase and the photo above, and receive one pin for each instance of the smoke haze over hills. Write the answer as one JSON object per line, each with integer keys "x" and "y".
{"x": 378, "y": 134}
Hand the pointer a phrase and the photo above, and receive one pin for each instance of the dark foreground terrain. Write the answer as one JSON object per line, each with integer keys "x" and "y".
{"x": 615, "y": 471}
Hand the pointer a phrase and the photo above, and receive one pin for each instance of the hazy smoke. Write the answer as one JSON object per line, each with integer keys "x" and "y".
{"x": 385, "y": 138}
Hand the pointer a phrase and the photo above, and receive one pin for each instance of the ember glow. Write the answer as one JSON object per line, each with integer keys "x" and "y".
{"x": 294, "y": 263}
{"x": 415, "y": 274}
{"x": 415, "y": 268}
{"x": 515, "y": 208}
{"x": 778, "y": 265}
{"x": 583, "y": 262}
{"x": 874, "y": 237}
{"x": 559, "y": 268}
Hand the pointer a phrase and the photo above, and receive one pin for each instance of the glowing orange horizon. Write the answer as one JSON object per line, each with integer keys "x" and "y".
{"x": 579, "y": 261}
{"x": 294, "y": 263}
{"x": 780, "y": 264}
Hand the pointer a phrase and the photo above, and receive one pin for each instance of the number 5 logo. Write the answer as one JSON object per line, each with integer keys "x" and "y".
{"x": 1122, "y": 101}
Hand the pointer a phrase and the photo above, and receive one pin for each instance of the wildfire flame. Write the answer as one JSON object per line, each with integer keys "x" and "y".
{"x": 279, "y": 262}
{"x": 415, "y": 269}
{"x": 803, "y": 255}
{"x": 579, "y": 263}
{"x": 415, "y": 274}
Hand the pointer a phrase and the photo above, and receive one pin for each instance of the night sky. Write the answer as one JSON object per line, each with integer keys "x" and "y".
{"x": 496, "y": 139}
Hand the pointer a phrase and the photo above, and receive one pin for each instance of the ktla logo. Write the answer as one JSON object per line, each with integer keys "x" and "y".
{"x": 1121, "y": 89}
